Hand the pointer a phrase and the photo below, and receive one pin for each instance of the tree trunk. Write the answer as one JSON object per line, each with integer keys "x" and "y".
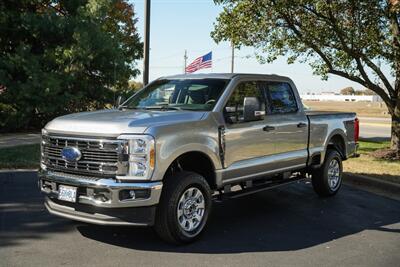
{"x": 396, "y": 125}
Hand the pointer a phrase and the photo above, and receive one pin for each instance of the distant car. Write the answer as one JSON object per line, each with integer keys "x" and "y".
{"x": 169, "y": 150}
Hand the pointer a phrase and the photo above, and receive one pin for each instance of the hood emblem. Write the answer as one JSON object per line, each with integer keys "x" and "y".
{"x": 71, "y": 154}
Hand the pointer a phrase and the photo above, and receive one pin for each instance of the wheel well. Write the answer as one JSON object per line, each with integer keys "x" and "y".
{"x": 197, "y": 162}
{"x": 337, "y": 142}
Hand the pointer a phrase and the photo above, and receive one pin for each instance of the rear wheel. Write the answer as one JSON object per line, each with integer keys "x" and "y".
{"x": 184, "y": 208}
{"x": 327, "y": 179}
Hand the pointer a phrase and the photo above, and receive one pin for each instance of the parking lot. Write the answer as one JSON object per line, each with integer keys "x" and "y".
{"x": 286, "y": 226}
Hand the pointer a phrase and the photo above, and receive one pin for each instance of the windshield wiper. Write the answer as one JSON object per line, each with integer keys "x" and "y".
{"x": 162, "y": 107}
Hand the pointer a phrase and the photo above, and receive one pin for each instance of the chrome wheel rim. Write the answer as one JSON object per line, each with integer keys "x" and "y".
{"x": 334, "y": 174}
{"x": 190, "y": 210}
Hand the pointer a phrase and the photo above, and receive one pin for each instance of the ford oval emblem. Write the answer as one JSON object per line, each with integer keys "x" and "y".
{"x": 71, "y": 154}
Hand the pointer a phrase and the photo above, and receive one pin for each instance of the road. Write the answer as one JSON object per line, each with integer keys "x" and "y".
{"x": 282, "y": 227}
{"x": 375, "y": 128}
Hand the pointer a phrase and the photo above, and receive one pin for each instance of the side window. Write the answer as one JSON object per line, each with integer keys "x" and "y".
{"x": 234, "y": 108}
{"x": 282, "y": 99}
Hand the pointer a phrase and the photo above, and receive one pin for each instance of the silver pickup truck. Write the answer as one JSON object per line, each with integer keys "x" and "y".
{"x": 161, "y": 157}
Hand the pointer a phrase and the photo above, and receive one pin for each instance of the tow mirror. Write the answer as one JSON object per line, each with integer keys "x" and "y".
{"x": 253, "y": 110}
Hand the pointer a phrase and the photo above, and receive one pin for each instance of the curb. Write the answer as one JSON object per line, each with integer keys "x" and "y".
{"x": 363, "y": 181}
{"x": 17, "y": 170}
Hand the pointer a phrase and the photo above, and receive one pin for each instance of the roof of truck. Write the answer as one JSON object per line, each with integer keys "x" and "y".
{"x": 224, "y": 76}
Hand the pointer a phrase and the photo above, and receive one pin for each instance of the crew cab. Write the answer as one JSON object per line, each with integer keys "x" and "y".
{"x": 161, "y": 157}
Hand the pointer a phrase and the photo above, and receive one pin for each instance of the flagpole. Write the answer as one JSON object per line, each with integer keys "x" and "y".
{"x": 185, "y": 60}
{"x": 232, "y": 57}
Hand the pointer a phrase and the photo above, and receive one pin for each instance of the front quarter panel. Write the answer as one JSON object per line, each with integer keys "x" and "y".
{"x": 177, "y": 139}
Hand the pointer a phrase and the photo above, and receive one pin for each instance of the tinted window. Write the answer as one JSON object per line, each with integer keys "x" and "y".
{"x": 281, "y": 98}
{"x": 234, "y": 107}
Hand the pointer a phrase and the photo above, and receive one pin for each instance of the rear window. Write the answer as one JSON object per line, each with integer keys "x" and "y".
{"x": 281, "y": 98}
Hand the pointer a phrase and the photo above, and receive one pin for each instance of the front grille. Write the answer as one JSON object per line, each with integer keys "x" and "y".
{"x": 99, "y": 158}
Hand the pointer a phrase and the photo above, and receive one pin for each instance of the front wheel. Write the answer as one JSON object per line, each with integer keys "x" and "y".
{"x": 184, "y": 208}
{"x": 327, "y": 179}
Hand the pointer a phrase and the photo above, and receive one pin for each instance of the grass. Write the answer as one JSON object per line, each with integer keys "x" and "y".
{"x": 371, "y": 166}
{"x": 20, "y": 157}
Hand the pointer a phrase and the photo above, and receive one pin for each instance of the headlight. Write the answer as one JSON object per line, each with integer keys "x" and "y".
{"x": 141, "y": 156}
{"x": 43, "y": 142}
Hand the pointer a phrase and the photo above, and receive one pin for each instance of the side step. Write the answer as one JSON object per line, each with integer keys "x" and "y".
{"x": 256, "y": 188}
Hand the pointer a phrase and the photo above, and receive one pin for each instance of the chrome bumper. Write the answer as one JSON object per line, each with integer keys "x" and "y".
{"x": 109, "y": 188}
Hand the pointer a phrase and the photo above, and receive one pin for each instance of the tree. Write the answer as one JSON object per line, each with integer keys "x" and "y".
{"x": 62, "y": 56}
{"x": 348, "y": 91}
{"x": 349, "y": 38}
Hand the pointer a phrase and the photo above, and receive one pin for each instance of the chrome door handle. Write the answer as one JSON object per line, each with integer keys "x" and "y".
{"x": 268, "y": 128}
{"x": 301, "y": 125}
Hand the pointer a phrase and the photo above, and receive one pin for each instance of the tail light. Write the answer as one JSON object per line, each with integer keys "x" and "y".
{"x": 356, "y": 129}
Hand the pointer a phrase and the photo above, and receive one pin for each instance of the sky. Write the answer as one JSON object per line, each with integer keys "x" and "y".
{"x": 179, "y": 25}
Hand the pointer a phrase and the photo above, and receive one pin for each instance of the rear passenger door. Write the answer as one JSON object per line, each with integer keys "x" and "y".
{"x": 289, "y": 124}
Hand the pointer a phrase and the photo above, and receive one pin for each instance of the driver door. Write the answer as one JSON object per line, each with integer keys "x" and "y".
{"x": 247, "y": 144}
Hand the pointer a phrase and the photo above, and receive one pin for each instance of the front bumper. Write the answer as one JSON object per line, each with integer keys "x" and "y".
{"x": 99, "y": 200}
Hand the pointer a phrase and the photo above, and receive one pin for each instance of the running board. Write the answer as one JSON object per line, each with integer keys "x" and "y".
{"x": 256, "y": 188}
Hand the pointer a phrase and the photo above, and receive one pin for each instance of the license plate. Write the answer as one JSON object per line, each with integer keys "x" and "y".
{"x": 67, "y": 193}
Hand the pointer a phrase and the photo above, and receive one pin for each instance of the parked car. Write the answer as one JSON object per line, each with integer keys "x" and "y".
{"x": 164, "y": 155}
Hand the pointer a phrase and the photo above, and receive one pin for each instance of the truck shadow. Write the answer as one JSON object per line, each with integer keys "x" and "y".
{"x": 22, "y": 213}
{"x": 289, "y": 218}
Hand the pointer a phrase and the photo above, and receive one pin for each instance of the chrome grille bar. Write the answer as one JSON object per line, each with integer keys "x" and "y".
{"x": 100, "y": 157}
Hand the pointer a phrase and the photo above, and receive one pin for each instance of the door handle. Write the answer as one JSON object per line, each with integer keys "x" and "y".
{"x": 301, "y": 125}
{"x": 268, "y": 128}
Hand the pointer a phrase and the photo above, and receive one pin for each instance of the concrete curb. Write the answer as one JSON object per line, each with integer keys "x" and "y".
{"x": 365, "y": 182}
{"x": 17, "y": 170}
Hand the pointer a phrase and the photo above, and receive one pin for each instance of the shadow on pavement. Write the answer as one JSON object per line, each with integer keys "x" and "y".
{"x": 285, "y": 219}
{"x": 22, "y": 213}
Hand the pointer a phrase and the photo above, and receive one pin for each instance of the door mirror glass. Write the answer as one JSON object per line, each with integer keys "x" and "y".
{"x": 253, "y": 109}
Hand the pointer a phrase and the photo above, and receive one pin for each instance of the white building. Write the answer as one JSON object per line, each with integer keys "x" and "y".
{"x": 341, "y": 98}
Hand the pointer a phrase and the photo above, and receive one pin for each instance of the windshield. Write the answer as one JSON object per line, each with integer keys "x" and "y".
{"x": 192, "y": 94}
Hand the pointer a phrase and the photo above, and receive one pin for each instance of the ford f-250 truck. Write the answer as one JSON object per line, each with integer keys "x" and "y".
{"x": 161, "y": 157}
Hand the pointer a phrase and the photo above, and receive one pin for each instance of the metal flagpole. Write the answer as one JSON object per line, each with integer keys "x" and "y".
{"x": 146, "y": 42}
{"x": 232, "y": 57}
{"x": 185, "y": 60}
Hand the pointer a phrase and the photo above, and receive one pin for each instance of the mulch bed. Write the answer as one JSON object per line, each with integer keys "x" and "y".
{"x": 386, "y": 153}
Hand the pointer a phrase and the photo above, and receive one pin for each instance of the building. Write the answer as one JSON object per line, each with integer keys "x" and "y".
{"x": 341, "y": 98}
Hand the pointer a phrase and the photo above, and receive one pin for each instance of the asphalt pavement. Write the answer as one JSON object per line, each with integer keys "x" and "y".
{"x": 375, "y": 128}
{"x": 289, "y": 226}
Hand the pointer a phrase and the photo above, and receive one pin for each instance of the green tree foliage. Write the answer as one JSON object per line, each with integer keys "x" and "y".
{"x": 58, "y": 57}
{"x": 348, "y": 91}
{"x": 347, "y": 38}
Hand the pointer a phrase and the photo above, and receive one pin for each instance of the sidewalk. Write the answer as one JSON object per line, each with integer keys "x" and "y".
{"x": 9, "y": 140}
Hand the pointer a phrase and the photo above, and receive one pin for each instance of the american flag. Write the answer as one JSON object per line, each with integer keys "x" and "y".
{"x": 202, "y": 62}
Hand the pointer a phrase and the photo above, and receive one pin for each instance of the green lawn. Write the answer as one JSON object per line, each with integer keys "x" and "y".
{"x": 20, "y": 157}
{"x": 371, "y": 166}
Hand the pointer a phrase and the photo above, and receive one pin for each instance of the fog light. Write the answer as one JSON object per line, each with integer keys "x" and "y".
{"x": 134, "y": 194}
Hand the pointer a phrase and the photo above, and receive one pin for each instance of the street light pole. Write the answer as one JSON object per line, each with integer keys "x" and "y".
{"x": 146, "y": 42}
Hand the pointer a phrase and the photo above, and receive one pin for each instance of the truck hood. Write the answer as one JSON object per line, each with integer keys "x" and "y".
{"x": 113, "y": 122}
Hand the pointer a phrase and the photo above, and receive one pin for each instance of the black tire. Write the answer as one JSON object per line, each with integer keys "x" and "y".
{"x": 166, "y": 224}
{"x": 320, "y": 176}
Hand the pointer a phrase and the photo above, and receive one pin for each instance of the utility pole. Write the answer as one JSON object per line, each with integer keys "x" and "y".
{"x": 185, "y": 60}
{"x": 146, "y": 42}
{"x": 232, "y": 57}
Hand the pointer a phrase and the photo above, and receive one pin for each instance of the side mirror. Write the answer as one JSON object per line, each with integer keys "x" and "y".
{"x": 120, "y": 100}
{"x": 253, "y": 110}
